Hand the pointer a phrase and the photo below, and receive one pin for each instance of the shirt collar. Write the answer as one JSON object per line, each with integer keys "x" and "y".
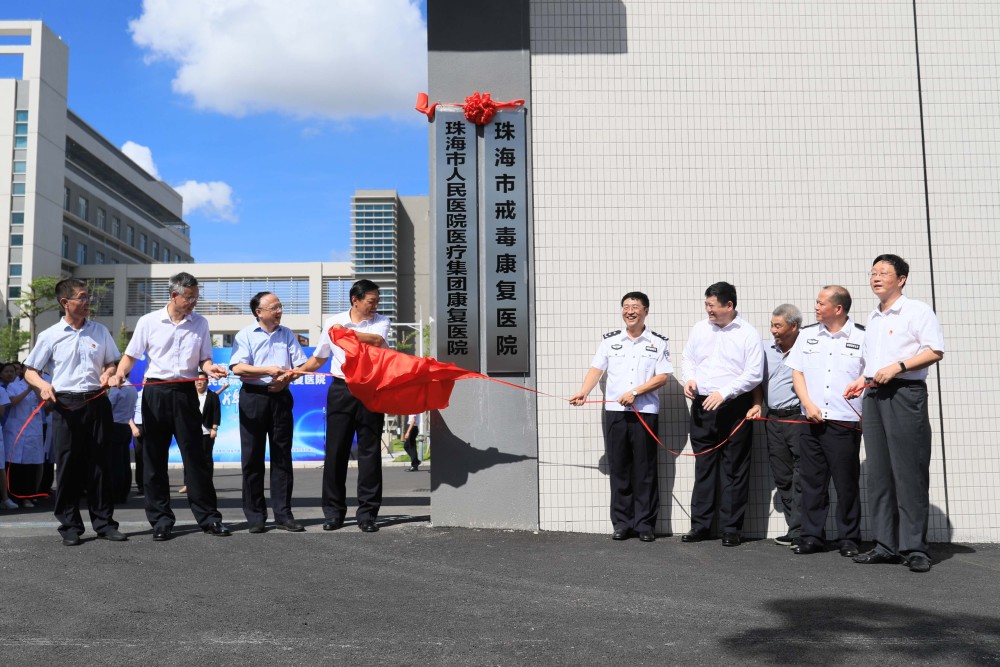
{"x": 894, "y": 308}
{"x": 643, "y": 336}
{"x": 165, "y": 316}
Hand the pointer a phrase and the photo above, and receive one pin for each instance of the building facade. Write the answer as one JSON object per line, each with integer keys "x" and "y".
{"x": 776, "y": 145}
{"x": 72, "y": 199}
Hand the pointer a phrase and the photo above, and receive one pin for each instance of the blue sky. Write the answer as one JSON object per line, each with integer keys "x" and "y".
{"x": 266, "y": 115}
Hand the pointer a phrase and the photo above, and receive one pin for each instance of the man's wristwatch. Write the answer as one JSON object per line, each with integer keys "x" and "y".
{"x": 634, "y": 393}
{"x": 902, "y": 366}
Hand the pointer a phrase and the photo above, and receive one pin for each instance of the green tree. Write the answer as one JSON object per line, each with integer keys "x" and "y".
{"x": 12, "y": 341}
{"x": 37, "y": 298}
{"x": 123, "y": 338}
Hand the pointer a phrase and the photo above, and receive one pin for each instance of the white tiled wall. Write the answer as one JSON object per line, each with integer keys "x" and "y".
{"x": 776, "y": 145}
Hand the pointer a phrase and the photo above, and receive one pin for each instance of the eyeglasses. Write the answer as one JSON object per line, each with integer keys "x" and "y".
{"x": 881, "y": 274}
{"x": 188, "y": 299}
{"x": 83, "y": 298}
{"x": 632, "y": 309}
{"x": 272, "y": 309}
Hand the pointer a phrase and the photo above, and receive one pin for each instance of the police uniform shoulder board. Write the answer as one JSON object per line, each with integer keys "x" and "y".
{"x": 658, "y": 335}
{"x": 859, "y": 326}
{"x": 810, "y": 326}
{"x": 612, "y": 333}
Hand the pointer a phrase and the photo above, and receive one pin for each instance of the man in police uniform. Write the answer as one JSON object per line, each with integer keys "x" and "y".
{"x": 723, "y": 364}
{"x": 346, "y": 415}
{"x": 902, "y": 340}
{"x": 782, "y": 407}
{"x": 176, "y": 342}
{"x": 637, "y": 362}
{"x": 83, "y": 355}
{"x": 262, "y": 355}
{"x": 826, "y": 358}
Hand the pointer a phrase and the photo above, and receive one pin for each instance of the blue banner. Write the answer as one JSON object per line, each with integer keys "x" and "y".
{"x": 308, "y": 392}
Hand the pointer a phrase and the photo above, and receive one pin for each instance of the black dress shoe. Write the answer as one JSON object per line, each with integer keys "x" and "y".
{"x": 113, "y": 535}
{"x": 848, "y": 549}
{"x": 875, "y": 557}
{"x": 292, "y": 526}
{"x": 413, "y": 468}
{"x": 217, "y": 529}
{"x": 647, "y": 536}
{"x": 694, "y": 535}
{"x": 796, "y": 541}
{"x": 807, "y": 548}
{"x": 163, "y": 534}
{"x": 333, "y": 524}
{"x": 256, "y": 528}
{"x": 785, "y": 540}
{"x": 730, "y": 540}
{"x": 919, "y": 563}
{"x": 620, "y": 534}
{"x": 71, "y": 540}
{"x": 368, "y": 526}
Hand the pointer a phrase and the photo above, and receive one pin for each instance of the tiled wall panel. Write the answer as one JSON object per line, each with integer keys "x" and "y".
{"x": 778, "y": 146}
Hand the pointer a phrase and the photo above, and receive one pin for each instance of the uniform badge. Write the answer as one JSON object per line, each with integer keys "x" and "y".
{"x": 812, "y": 341}
{"x": 650, "y": 348}
{"x": 616, "y": 346}
{"x": 853, "y": 346}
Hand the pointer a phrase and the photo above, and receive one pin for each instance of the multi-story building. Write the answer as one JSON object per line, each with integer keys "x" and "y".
{"x": 72, "y": 199}
{"x": 73, "y": 204}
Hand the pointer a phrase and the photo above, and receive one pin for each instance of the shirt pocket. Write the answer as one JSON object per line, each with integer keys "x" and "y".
{"x": 812, "y": 358}
{"x": 850, "y": 361}
{"x": 188, "y": 343}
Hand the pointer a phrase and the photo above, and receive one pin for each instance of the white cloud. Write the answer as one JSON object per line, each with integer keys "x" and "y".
{"x": 306, "y": 58}
{"x": 213, "y": 199}
{"x": 142, "y": 156}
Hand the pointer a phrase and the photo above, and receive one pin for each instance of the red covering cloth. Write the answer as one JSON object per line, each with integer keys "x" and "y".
{"x": 396, "y": 383}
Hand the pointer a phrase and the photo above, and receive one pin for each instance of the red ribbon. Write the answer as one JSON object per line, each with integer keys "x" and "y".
{"x": 479, "y": 107}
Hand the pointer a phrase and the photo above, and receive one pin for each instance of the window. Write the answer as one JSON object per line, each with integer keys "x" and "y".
{"x": 65, "y": 247}
{"x": 156, "y": 250}
{"x": 166, "y": 255}
{"x": 21, "y": 116}
{"x": 81, "y": 253}
{"x": 20, "y": 142}
{"x": 13, "y": 292}
{"x": 15, "y": 270}
{"x": 82, "y": 207}
{"x": 20, "y": 129}
{"x": 102, "y": 219}
{"x": 66, "y": 198}
{"x": 142, "y": 242}
{"x": 116, "y": 226}
{"x": 177, "y": 259}
{"x": 20, "y": 167}
{"x": 130, "y": 236}
{"x": 18, "y": 188}
{"x": 16, "y": 240}
{"x": 17, "y": 218}
{"x": 99, "y": 257}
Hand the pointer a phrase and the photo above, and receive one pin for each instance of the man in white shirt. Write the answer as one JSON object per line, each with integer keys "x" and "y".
{"x": 177, "y": 342}
{"x": 824, "y": 360}
{"x": 637, "y": 362}
{"x": 723, "y": 364}
{"x": 347, "y": 416}
{"x": 903, "y": 338}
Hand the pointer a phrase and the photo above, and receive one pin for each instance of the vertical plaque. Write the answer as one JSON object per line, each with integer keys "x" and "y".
{"x": 456, "y": 221}
{"x": 505, "y": 263}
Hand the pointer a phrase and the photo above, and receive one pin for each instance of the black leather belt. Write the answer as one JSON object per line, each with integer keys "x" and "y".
{"x": 260, "y": 389}
{"x": 784, "y": 412}
{"x": 79, "y": 395}
{"x": 898, "y": 383}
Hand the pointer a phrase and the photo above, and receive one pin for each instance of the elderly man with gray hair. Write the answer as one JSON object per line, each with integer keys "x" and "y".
{"x": 783, "y": 405}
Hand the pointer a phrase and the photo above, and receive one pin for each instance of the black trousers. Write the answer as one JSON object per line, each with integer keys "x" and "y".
{"x": 410, "y": 446}
{"x": 345, "y": 416}
{"x": 632, "y": 458}
{"x": 266, "y": 416}
{"x": 721, "y": 477}
{"x": 81, "y": 446}
{"x": 137, "y": 447}
{"x": 121, "y": 470}
{"x": 171, "y": 411}
{"x": 897, "y": 432}
{"x": 783, "y": 455}
{"x": 207, "y": 449}
{"x": 831, "y": 450}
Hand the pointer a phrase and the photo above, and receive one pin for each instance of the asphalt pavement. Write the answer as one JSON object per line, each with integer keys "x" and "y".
{"x": 415, "y": 594}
